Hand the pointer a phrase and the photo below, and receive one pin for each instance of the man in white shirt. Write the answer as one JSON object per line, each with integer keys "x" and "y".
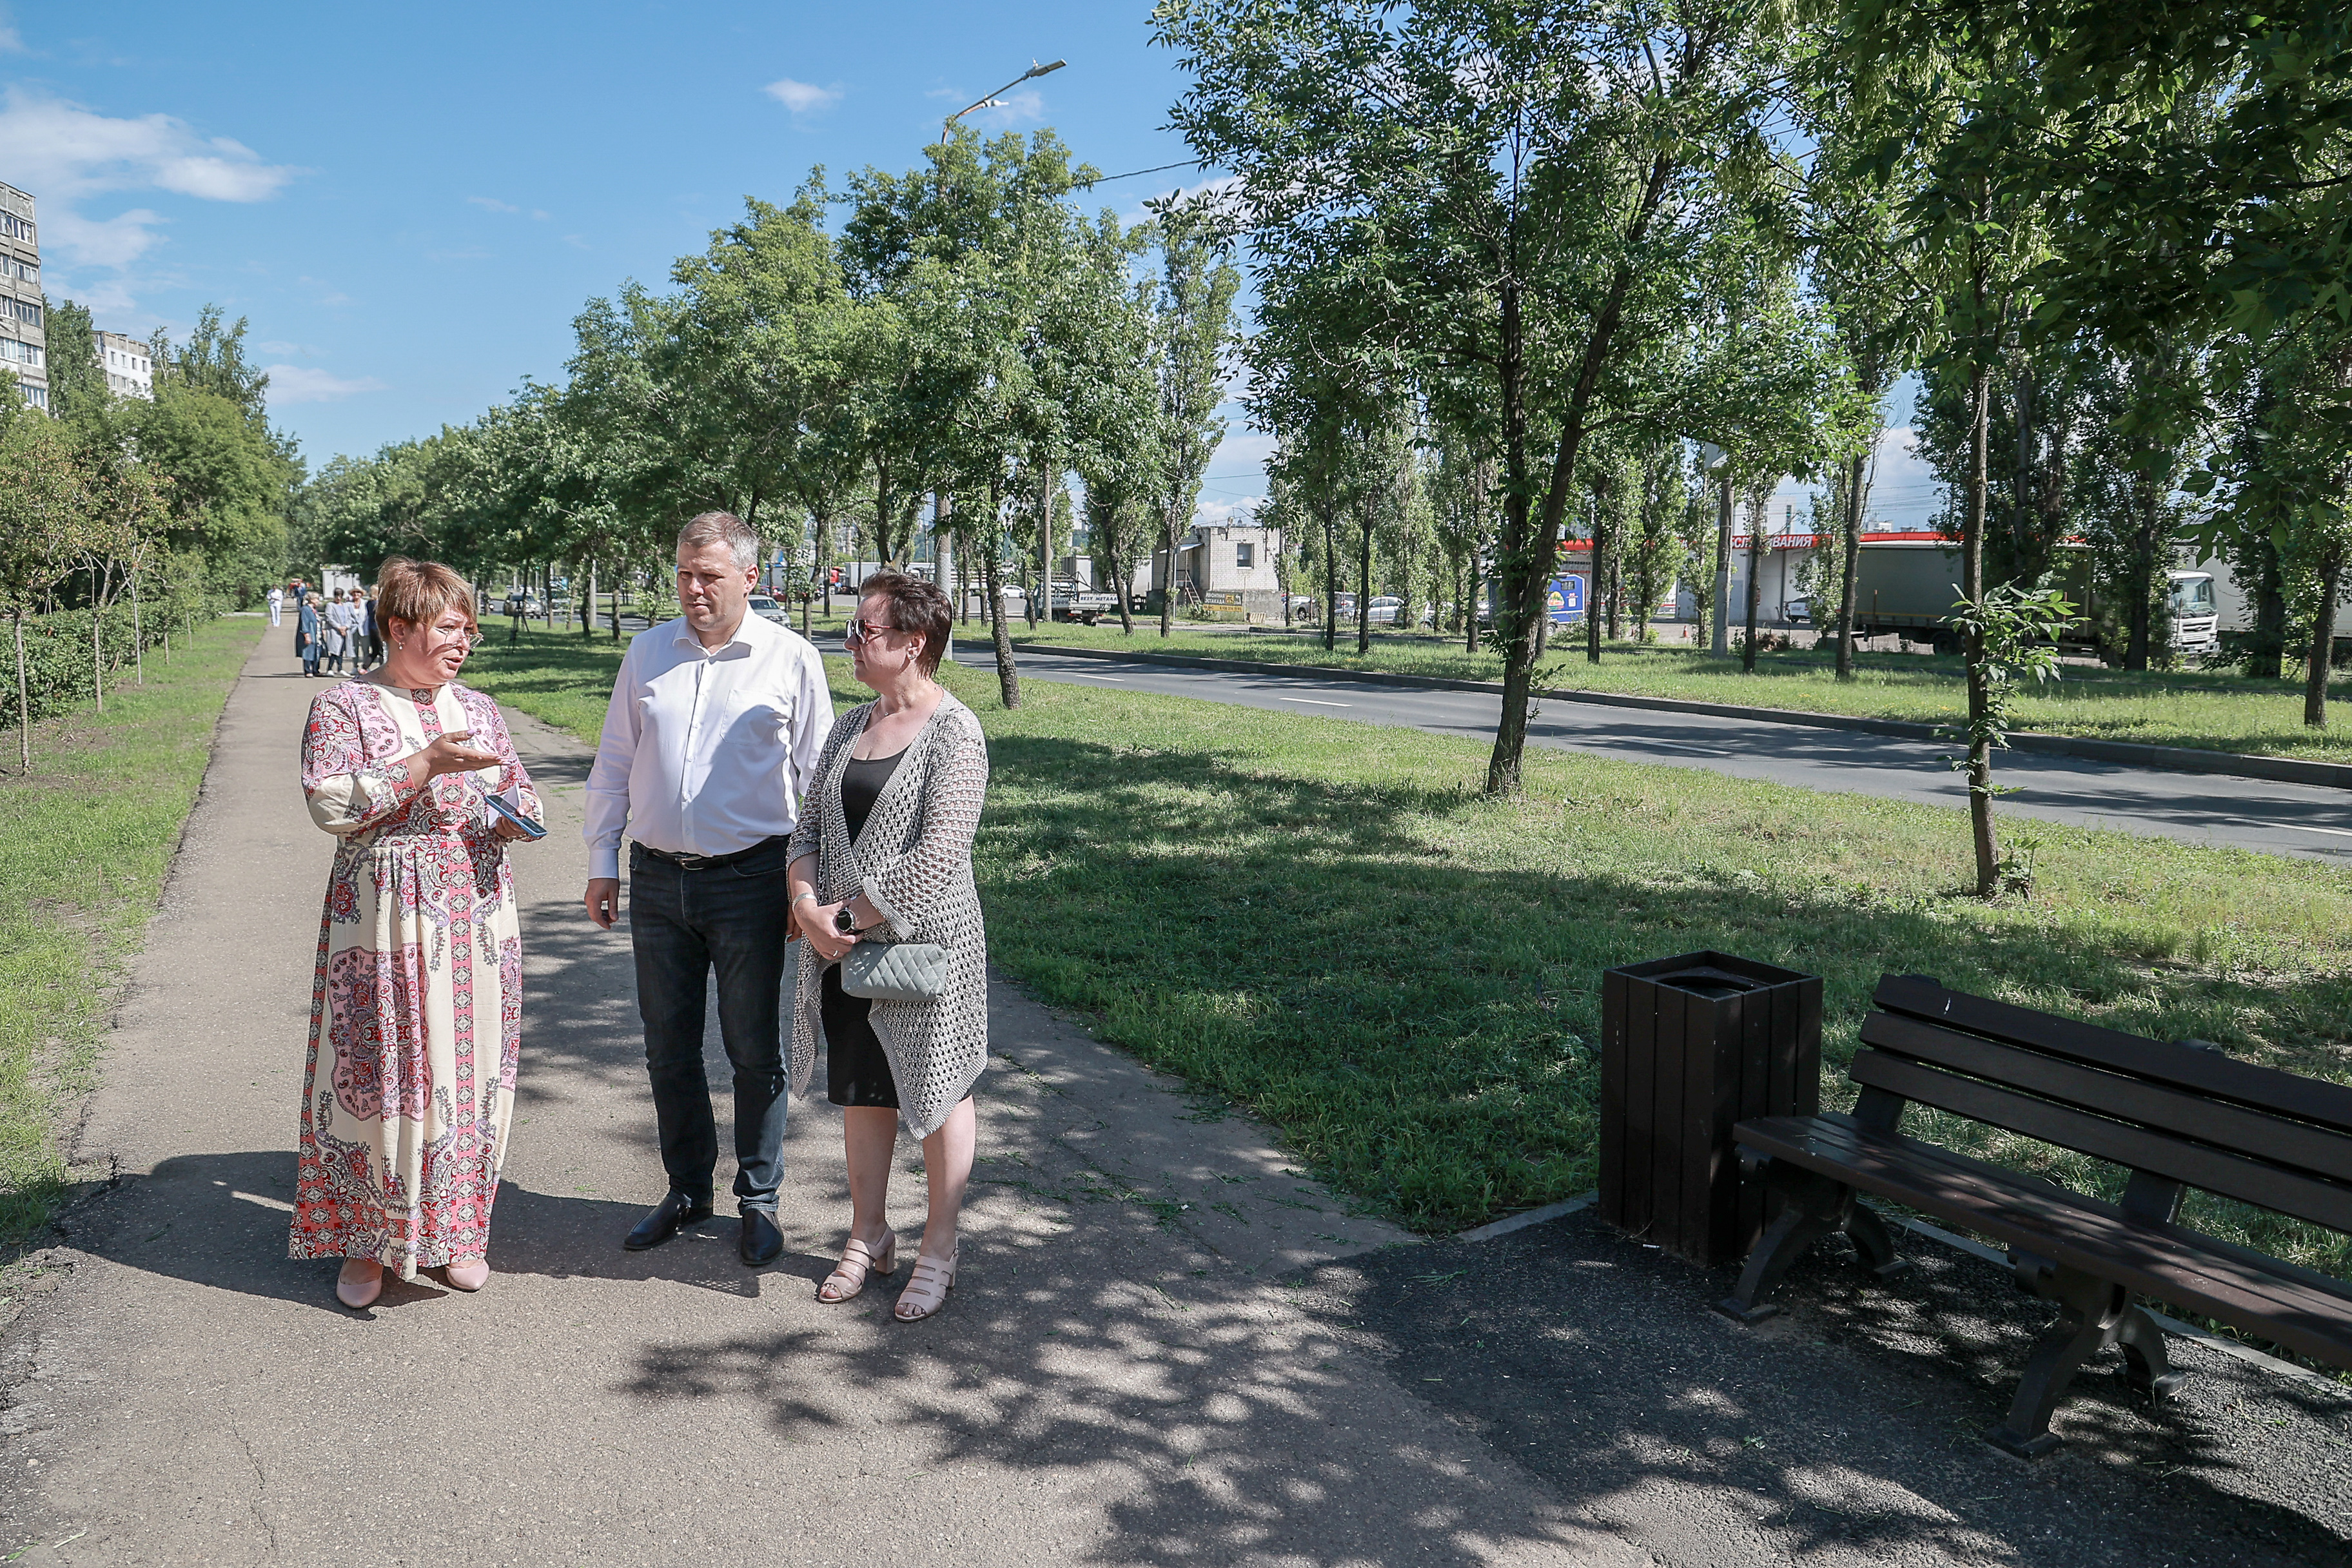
{"x": 707, "y": 751}
{"x": 277, "y": 603}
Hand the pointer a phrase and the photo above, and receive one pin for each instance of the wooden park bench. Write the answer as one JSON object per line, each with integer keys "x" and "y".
{"x": 2180, "y": 1115}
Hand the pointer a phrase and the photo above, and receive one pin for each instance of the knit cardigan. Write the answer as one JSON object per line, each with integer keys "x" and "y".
{"x": 913, "y": 862}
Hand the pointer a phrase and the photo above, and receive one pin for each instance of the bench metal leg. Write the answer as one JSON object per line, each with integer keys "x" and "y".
{"x": 1810, "y": 1206}
{"x": 2147, "y": 1364}
{"x": 1874, "y": 1241}
{"x": 2097, "y": 1314}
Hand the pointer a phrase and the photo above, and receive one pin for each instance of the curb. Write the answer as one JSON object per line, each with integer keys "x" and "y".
{"x": 2124, "y": 753}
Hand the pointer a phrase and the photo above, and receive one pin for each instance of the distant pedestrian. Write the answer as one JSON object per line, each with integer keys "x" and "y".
{"x": 883, "y": 854}
{"x": 277, "y": 603}
{"x": 305, "y": 634}
{"x": 342, "y": 624}
{"x": 708, "y": 750}
{"x": 371, "y": 634}
{"x": 416, "y": 1003}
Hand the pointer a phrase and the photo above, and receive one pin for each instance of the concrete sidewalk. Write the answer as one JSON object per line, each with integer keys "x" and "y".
{"x": 1118, "y": 1378}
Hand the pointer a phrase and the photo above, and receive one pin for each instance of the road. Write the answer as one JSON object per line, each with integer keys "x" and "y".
{"x": 2302, "y": 820}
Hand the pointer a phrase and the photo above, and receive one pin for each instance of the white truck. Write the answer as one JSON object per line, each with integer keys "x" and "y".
{"x": 1907, "y": 586}
{"x": 1075, "y": 602}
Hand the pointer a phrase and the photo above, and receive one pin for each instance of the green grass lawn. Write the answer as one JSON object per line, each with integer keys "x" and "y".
{"x": 2212, "y": 711}
{"x": 1324, "y": 922}
{"x": 86, "y": 841}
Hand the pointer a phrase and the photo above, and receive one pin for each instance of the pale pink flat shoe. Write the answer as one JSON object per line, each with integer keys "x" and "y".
{"x": 360, "y": 1283}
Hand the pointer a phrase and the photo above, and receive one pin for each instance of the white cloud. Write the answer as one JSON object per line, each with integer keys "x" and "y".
{"x": 61, "y": 150}
{"x": 800, "y": 97}
{"x": 12, "y": 42}
{"x": 303, "y": 384}
{"x": 115, "y": 242}
{"x": 491, "y": 203}
{"x": 67, "y": 155}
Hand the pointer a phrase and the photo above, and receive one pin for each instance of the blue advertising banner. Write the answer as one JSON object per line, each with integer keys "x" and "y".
{"x": 1565, "y": 600}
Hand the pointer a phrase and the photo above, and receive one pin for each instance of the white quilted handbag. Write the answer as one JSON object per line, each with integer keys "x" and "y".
{"x": 896, "y": 970}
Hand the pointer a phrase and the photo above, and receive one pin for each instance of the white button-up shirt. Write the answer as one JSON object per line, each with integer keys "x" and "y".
{"x": 706, "y": 751}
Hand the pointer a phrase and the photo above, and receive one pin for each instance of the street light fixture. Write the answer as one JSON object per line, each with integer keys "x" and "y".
{"x": 1034, "y": 71}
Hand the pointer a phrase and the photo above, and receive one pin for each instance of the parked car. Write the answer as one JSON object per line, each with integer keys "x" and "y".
{"x": 1799, "y": 612}
{"x": 1384, "y": 610}
{"x": 524, "y": 602}
{"x": 769, "y": 608}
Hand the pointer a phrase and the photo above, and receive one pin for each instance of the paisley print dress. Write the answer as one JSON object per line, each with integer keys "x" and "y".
{"x": 417, "y": 1002}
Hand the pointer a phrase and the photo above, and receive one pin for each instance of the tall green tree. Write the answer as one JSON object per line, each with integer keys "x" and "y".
{"x": 1516, "y": 197}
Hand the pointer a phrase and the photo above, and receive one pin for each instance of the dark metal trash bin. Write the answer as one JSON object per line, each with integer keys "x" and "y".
{"x": 1690, "y": 1046}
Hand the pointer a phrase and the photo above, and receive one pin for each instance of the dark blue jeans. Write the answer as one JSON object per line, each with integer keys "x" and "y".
{"x": 685, "y": 924}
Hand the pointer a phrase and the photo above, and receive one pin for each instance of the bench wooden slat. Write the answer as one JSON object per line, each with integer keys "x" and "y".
{"x": 2207, "y": 1072}
{"x": 2291, "y": 1306}
{"x": 2186, "y": 1113}
{"x": 2139, "y": 1148}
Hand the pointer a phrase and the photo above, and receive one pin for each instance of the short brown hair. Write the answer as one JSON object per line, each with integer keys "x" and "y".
{"x": 915, "y": 605}
{"x": 421, "y": 592}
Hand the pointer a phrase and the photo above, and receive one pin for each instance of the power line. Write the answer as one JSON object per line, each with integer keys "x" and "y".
{"x": 1131, "y": 174}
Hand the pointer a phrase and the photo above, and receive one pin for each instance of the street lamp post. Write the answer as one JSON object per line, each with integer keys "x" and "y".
{"x": 1046, "y": 501}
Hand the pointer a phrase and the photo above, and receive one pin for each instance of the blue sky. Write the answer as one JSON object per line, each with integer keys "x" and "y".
{"x": 410, "y": 206}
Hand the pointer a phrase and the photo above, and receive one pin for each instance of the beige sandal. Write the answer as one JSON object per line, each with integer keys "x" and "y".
{"x": 857, "y": 1259}
{"x": 927, "y": 1288}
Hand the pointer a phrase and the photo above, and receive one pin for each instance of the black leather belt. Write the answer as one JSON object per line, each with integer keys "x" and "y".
{"x": 709, "y": 862}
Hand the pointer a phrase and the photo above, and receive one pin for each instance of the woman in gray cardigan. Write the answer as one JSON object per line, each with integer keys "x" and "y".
{"x": 883, "y": 853}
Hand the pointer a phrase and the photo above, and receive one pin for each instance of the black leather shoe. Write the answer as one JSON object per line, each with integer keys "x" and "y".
{"x": 762, "y": 1240}
{"x": 669, "y": 1216}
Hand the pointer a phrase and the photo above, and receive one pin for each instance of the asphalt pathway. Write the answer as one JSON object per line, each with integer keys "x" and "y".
{"x": 2301, "y": 820}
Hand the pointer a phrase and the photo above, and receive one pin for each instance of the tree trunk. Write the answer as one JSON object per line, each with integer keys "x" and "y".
{"x": 2323, "y": 639}
{"x": 138, "y": 636}
{"x": 2137, "y": 646}
{"x": 1851, "y": 552}
{"x": 1755, "y": 588}
{"x": 944, "y": 557}
{"x": 1363, "y": 584}
{"x": 1008, "y": 676}
{"x": 2267, "y": 646}
{"x": 1168, "y": 577}
{"x": 1719, "y": 634}
{"x": 97, "y": 657}
{"x": 1046, "y": 486}
{"x": 23, "y": 700}
{"x": 1331, "y": 579}
{"x": 1592, "y": 589}
{"x": 1980, "y": 762}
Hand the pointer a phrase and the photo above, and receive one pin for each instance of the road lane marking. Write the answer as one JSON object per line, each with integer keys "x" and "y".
{"x": 2303, "y": 827}
{"x": 1082, "y": 675}
{"x": 1316, "y": 700}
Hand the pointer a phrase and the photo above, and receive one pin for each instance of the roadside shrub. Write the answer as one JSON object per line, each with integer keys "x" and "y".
{"x": 57, "y": 653}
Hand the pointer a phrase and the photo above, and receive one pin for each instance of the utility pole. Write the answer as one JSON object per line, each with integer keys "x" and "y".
{"x": 1046, "y": 486}
{"x": 1715, "y": 459}
{"x": 943, "y": 563}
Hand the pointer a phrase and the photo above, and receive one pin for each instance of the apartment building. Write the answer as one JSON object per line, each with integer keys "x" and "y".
{"x": 129, "y": 371}
{"x": 23, "y": 343}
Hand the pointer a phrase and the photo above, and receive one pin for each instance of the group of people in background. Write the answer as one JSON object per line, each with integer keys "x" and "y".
{"x": 765, "y": 842}
{"x": 334, "y": 633}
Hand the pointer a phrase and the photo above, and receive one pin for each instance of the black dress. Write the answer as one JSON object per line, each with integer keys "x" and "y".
{"x": 856, "y": 1072}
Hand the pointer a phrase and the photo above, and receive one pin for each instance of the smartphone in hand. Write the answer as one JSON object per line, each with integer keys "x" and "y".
{"x": 499, "y": 807}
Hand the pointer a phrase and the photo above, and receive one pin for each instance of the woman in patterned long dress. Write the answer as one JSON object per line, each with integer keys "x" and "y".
{"x": 416, "y": 1003}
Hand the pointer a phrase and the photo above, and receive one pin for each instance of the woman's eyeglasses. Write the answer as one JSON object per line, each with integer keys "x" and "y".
{"x": 862, "y": 632}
